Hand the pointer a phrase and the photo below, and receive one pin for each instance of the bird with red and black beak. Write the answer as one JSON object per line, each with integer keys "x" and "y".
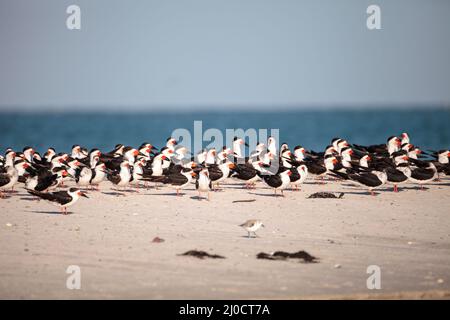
{"x": 49, "y": 154}
{"x": 299, "y": 153}
{"x": 130, "y": 154}
{"x": 62, "y": 199}
{"x": 405, "y": 138}
{"x": 171, "y": 143}
{"x": 76, "y": 152}
{"x": 28, "y": 153}
{"x": 393, "y": 144}
{"x": 10, "y": 157}
{"x": 147, "y": 149}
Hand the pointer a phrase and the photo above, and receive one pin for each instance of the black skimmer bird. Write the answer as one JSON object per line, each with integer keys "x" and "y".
{"x": 147, "y": 149}
{"x": 364, "y": 161}
{"x": 238, "y": 149}
{"x": 48, "y": 155}
{"x": 423, "y": 174}
{"x": 62, "y": 199}
{"x": 372, "y": 180}
{"x": 117, "y": 151}
{"x": 251, "y": 226}
{"x": 8, "y": 179}
{"x": 179, "y": 178}
{"x": 298, "y": 173}
{"x": 10, "y": 157}
{"x": 138, "y": 171}
{"x": 203, "y": 183}
{"x": 442, "y": 162}
{"x": 299, "y": 153}
{"x": 395, "y": 177}
{"x": 211, "y": 157}
{"x": 200, "y": 156}
{"x": 45, "y": 180}
{"x": 319, "y": 167}
{"x": 247, "y": 172}
{"x": 98, "y": 175}
{"x": 302, "y": 172}
{"x": 24, "y": 169}
{"x": 28, "y": 153}
{"x": 77, "y": 152}
{"x": 278, "y": 181}
{"x": 219, "y": 173}
{"x": 122, "y": 177}
{"x": 272, "y": 145}
{"x": 392, "y": 145}
{"x": 405, "y": 138}
{"x": 155, "y": 168}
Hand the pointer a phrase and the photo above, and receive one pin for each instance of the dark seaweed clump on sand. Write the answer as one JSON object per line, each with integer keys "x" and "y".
{"x": 201, "y": 254}
{"x": 325, "y": 195}
{"x": 282, "y": 255}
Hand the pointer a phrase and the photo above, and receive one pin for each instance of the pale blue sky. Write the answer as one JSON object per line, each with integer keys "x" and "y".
{"x": 212, "y": 53}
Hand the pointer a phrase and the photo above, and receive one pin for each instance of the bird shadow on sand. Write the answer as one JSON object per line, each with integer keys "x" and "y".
{"x": 359, "y": 193}
{"x": 163, "y": 194}
{"x": 319, "y": 183}
{"x": 198, "y": 198}
{"x": 114, "y": 193}
{"x": 414, "y": 188}
{"x": 440, "y": 184}
{"x": 272, "y": 195}
{"x": 30, "y": 198}
{"x": 50, "y": 212}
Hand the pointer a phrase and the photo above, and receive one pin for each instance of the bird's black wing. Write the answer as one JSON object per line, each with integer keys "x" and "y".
{"x": 214, "y": 172}
{"x": 4, "y": 179}
{"x": 422, "y": 174}
{"x": 114, "y": 177}
{"x": 61, "y": 197}
{"x": 45, "y": 182}
{"x": 176, "y": 179}
{"x": 368, "y": 179}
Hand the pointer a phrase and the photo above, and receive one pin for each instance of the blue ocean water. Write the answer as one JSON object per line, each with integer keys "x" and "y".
{"x": 428, "y": 128}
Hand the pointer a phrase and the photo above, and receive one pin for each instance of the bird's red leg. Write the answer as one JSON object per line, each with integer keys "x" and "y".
{"x": 395, "y": 188}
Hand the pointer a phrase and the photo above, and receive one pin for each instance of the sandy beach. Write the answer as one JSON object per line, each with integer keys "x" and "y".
{"x": 109, "y": 237}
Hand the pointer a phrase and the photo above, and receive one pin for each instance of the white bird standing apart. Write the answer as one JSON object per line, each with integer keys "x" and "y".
{"x": 203, "y": 183}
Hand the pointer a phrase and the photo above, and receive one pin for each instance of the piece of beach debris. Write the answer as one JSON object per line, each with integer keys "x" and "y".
{"x": 201, "y": 254}
{"x": 282, "y": 255}
{"x": 245, "y": 200}
{"x": 157, "y": 240}
{"x": 9, "y": 224}
{"x": 326, "y": 195}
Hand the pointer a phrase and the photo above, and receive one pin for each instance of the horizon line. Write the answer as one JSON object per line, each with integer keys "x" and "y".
{"x": 222, "y": 108}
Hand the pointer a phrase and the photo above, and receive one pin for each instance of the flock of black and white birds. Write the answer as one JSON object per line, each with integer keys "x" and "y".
{"x": 396, "y": 162}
